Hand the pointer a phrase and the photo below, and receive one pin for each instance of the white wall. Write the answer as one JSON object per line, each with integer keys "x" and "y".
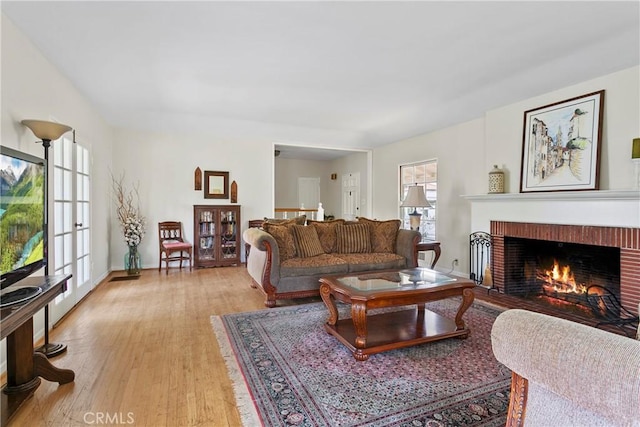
{"x": 466, "y": 153}
{"x": 33, "y": 89}
{"x": 458, "y": 150}
{"x": 621, "y": 123}
{"x": 164, "y": 166}
{"x": 287, "y": 172}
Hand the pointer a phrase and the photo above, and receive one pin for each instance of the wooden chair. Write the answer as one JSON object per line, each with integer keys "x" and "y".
{"x": 172, "y": 243}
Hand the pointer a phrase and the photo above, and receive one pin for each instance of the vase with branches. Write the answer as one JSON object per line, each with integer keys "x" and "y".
{"x": 132, "y": 222}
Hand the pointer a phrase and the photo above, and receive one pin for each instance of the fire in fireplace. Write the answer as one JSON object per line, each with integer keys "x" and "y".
{"x": 566, "y": 276}
{"x": 559, "y": 280}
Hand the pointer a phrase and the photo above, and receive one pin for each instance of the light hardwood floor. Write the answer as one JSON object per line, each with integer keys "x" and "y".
{"x": 144, "y": 352}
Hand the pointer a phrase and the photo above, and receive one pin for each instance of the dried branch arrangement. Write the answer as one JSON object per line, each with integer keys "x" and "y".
{"x": 128, "y": 211}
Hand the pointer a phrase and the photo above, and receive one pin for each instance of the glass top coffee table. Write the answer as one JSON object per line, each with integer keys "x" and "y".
{"x": 368, "y": 333}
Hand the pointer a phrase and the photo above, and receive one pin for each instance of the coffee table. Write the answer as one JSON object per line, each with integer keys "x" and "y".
{"x": 369, "y": 333}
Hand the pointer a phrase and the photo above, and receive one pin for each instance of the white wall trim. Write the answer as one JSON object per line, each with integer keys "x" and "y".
{"x": 560, "y": 195}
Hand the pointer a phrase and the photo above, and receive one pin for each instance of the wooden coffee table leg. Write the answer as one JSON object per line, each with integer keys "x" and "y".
{"x": 359, "y": 317}
{"x": 467, "y": 300}
{"x": 325, "y": 293}
{"x": 420, "y": 319}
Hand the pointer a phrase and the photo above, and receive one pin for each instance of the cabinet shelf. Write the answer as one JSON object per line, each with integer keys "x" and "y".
{"x": 216, "y": 235}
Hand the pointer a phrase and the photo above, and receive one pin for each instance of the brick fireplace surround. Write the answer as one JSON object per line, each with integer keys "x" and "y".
{"x": 625, "y": 238}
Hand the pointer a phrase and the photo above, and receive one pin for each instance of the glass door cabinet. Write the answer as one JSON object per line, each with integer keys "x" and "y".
{"x": 216, "y": 235}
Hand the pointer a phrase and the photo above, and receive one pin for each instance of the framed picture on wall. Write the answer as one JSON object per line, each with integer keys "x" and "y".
{"x": 216, "y": 185}
{"x": 561, "y": 145}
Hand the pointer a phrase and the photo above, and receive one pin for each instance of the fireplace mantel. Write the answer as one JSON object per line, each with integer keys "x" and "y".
{"x": 613, "y": 208}
{"x": 559, "y": 195}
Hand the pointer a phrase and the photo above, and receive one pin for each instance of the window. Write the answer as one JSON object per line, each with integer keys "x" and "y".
{"x": 424, "y": 174}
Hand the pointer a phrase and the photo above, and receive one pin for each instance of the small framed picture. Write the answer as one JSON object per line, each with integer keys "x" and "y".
{"x": 561, "y": 145}
{"x": 216, "y": 185}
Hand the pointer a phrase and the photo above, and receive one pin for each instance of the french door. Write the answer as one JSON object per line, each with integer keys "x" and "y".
{"x": 70, "y": 216}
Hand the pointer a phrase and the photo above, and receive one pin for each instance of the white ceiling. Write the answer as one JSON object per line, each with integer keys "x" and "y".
{"x": 326, "y": 74}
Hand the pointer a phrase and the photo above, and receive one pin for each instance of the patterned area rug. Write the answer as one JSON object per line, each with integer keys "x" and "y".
{"x": 288, "y": 371}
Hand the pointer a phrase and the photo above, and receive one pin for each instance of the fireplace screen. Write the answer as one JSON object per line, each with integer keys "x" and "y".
{"x": 567, "y": 276}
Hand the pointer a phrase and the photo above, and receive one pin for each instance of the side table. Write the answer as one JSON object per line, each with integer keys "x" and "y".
{"x": 24, "y": 365}
{"x": 429, "y": 245}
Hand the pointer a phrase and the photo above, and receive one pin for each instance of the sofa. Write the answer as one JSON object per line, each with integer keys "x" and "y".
{"x": 565, "y": 373}
{"x": 286, "y": 258}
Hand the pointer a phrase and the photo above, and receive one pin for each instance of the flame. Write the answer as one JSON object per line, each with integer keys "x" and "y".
{"x": 561, "y": 279}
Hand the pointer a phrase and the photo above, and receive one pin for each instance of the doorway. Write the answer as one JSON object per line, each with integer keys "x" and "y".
{"x": 351, "y": 195}
{"x": 291, "y": 162}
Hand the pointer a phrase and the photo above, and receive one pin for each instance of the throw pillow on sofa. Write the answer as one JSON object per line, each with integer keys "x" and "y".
{"x": 326, "y": 233}
{"x": 307, "y": 241}
{"x": 353, "y": 239}
{"x": 383, "y": 234}
{"x": 284, "y": 238}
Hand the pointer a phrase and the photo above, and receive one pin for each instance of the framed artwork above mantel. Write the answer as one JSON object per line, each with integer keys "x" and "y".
{"x": 216, "y": 185}
{"x": 561, "y": 145}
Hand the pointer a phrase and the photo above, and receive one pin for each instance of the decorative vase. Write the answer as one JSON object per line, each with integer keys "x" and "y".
{"x": 132, "y": 262}
{"x": 496, "y": 180}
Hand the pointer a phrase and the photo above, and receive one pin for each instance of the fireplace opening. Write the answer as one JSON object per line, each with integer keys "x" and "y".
{"x": 578, "y": 278}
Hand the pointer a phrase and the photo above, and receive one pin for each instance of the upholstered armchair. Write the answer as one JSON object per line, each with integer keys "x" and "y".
{"x": 565, "y": 373}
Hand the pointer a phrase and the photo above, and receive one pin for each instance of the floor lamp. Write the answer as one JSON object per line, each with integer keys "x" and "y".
{"x": 47, "y": 132}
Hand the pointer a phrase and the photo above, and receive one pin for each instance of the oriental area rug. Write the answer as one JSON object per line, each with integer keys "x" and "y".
{"x": 287, "y": 370}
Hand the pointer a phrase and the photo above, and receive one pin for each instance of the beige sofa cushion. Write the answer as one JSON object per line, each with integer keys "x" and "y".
{"x": 373, "y": 261}
{"x": 383, "y": 234}
{"x": 353, "y": 238}
{"x": 307, "y": 242}
{"x": 313, "y": 266}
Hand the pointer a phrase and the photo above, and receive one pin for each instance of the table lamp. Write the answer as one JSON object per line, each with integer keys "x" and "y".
{"x": 415, "y": 199}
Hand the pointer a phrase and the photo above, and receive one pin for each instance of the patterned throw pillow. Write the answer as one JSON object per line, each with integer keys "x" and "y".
{"x": 326, "y": 233}
{"x": 307, "y": 242}
{"x": 353, "y": 239}
{"x": 383, "y": 234}
{"x": 284, "y": 238}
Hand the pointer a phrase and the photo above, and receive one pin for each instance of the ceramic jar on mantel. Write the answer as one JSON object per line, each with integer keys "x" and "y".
{"x": 496, "y": 180}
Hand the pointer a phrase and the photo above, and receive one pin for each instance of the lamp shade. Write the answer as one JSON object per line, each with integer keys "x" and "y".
{"x": 415, "y": 198}
{"x": 635, "y": 150}
{"x": 46, "y": 131}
